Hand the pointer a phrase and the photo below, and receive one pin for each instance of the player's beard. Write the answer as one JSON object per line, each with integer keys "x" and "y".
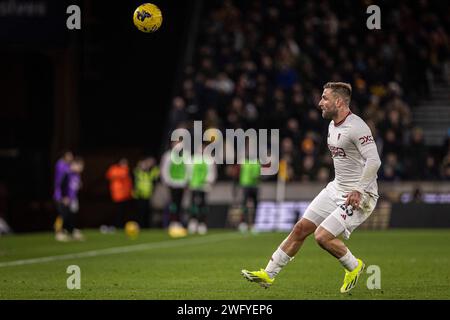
{"x": 329, "y": 114}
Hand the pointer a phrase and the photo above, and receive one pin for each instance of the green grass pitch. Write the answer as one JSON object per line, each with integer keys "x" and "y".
{"x": 415, "y": 264}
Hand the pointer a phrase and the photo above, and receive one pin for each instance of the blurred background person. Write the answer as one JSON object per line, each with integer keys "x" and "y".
{"x": 70, "y": 187}
{"x": 175, "y": 176}
{"x": 202, "y": 174}
{"x": 145, "y": 175}
{"x": 62, "y": 168}
{"x": 249, "y": 179}
{"x": 121, "y": 187}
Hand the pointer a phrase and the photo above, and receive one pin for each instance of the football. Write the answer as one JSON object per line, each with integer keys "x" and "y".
{"x": 147, "y": 18}
{"x": 132, "y": 229}
{"x": 177, "y": 232}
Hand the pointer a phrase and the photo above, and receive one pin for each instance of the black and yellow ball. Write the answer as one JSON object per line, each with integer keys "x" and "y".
{"x": 147, "y": 18}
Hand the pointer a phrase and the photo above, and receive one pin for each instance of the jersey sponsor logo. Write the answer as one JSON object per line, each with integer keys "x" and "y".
{"x": 365, "y": 140}
{"x": 336, "y": 151}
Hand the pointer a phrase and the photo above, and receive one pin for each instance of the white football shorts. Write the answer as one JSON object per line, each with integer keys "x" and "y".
{"x": 328, "y": 211}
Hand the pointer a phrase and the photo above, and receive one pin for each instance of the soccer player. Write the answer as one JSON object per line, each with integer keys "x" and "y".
{"x": 70, "y": 187}
{"x": 174, "y": 175}
{"x": 62, "y": 168}
{"x": 145, "y": 175}
{"x": 121, "y": 187}
{"x": 202, "y": 174}
{"x": 249, "y": 178}
{"x": 346, "y": 202}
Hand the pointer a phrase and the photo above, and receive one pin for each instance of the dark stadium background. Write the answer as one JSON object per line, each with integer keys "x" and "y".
{"x": 106, "y": 91}
{"x": 101, "y": 90}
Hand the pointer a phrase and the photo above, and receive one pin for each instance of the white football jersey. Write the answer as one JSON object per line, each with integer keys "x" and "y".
{"x": 351, "y": 144}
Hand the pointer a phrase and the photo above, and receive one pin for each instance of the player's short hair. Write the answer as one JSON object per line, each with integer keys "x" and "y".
{"x": 343, "y": 89}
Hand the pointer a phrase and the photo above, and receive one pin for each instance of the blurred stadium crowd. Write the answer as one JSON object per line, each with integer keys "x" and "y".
{"x": 262, "y": 64}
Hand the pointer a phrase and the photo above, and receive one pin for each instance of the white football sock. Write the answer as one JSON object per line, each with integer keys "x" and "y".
{"x": 277, "y": 262}
{"x": 349, "y": 261}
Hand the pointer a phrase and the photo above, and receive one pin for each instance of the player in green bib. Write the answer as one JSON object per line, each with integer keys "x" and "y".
{"x": 145, "y": 175}
{"x": 249, "y": 178}
{"x": 174, "y": 174}
{"x": 202, "y": 173}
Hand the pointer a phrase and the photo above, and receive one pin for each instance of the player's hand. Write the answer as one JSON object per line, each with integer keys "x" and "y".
{"x": 353, "y": 199}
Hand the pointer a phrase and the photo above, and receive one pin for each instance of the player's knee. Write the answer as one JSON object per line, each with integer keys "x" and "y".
{"x": 321, "y": 237}
{"x": 301, "y": 231}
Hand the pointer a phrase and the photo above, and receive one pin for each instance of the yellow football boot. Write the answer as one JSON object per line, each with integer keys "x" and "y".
{"x": 351, "y": 277}
{"x": 260, "y": 277}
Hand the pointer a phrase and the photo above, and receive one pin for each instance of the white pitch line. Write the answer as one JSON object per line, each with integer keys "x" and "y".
{"x": 124, "y": 249}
